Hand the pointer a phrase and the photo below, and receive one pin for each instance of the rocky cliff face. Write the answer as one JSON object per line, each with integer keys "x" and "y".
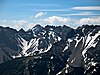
{"x": 49, "y": 50}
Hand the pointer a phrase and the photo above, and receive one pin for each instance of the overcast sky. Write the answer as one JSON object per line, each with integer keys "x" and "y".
{"x": 27, "y": 13}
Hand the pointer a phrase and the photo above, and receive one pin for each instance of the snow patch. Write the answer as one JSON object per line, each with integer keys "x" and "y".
{"x": 77, "y": 41}
{"x": 93, "y": 63}
{"x": 51, "y": 57}
{"x": 59, "y": 38}
{"x": 70, "y": 40}
{"x": 19, "y": 55}
{"x": 91, "y": 43}
{"x": 65, "y": 48}
{"x": 59, "y": 73}
{"x": 46, "y": 50}
{"x": 25, "y": 45}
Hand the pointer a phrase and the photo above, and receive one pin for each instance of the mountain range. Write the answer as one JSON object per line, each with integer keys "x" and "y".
{"x": 50, "y": 50}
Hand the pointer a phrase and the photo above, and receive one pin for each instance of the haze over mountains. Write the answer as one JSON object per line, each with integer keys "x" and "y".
{"x": 49, "y": 50}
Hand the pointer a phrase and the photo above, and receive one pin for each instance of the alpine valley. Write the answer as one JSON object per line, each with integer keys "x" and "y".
{"x": 50, "y": 50}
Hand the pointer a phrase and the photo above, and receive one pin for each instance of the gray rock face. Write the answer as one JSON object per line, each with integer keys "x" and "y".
{"x": 50, "y": 50}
